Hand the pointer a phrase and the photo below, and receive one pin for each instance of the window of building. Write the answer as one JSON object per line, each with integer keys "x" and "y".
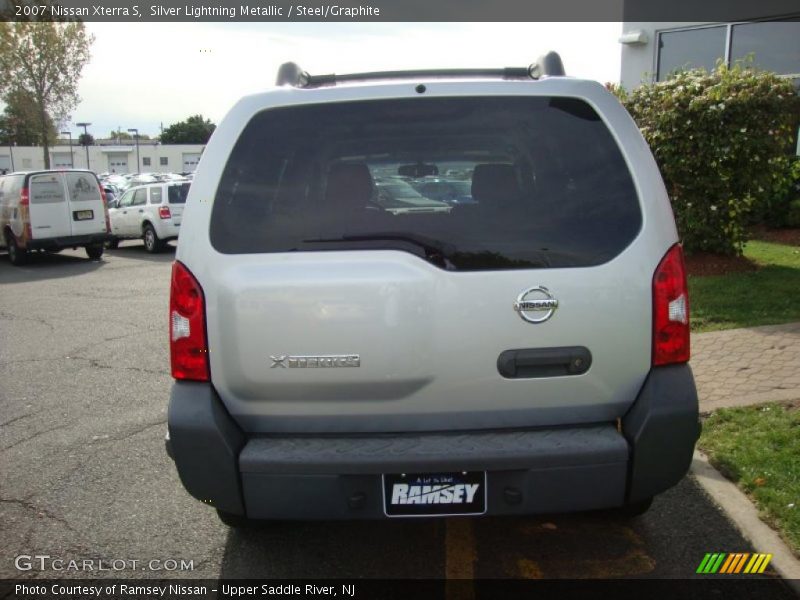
{"x": 146, "y": 161}
{"x": 690, "y": 49}
{"x": 163, "y": 161}
{"x": 774, "y": 45}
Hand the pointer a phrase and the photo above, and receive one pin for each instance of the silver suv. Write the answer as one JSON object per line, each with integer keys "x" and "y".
{"x": 338, "y": 358}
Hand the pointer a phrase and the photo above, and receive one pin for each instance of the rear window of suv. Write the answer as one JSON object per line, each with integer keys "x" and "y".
{"x": 177, "y": 193}
{"x": 538, "y": 182}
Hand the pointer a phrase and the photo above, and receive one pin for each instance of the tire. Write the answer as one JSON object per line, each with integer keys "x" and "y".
{"x": 18, "y": 256}
{"x": 236, "y": 521}
{"x": 95, "y": 252}
{"x": 151, "y": 242}
{"x": 112, "y": 244}
{"x": 635, "y": 509}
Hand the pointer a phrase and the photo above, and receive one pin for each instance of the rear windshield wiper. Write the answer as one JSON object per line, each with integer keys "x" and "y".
{"x": 432, "y": 250}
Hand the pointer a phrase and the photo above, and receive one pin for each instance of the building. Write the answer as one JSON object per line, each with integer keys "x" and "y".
{"x": 105, "y": 156}
{"x": 651, "y": 51}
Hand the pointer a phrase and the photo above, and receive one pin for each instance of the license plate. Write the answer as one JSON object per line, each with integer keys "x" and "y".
{"x": 83, "y": 215}
{"x": 434, "y": 494}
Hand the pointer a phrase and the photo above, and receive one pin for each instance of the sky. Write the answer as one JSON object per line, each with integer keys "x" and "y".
{"x": 144, "y": 74}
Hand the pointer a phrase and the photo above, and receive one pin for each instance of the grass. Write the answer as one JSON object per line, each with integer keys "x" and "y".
{"x": 764, "y": 297}
{"x": 758, "y": 447}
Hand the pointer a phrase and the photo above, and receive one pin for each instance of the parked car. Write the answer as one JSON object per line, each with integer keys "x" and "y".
{"x": 526, "y": 353}
{"x": 445, "y": 190}
{"x": 52, "y": 210}
{"x": 151, "y": 213}
{"x": 397, "y": 196}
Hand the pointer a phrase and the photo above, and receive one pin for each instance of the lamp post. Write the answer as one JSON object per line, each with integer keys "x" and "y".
{"x": 135, "y": 133}
{"x": 71, "y": 155}
{"x": 85, "y": 139}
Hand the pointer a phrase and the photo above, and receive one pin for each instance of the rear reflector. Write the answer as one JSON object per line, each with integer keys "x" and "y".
{"x": 187, "y": 326}
{"x": 670, "y": 310}
{"x": 164, "y": 213}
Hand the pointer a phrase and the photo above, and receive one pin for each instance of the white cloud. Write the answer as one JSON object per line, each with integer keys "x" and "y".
{"x": 142, "y": 74}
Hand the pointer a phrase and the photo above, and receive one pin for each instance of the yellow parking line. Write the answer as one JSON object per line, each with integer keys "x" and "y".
{"x": 460, "y": 554}
{"x": 459, "y": 558}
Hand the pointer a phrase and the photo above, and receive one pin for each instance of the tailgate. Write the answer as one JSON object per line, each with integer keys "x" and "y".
{"x": 87, "y": 211}
{"x": 331, "y": 306}
{"x": 385, "y": 341}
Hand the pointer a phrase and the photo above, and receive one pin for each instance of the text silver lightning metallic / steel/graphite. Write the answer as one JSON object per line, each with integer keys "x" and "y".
{"x": 330, "y": 361}
{"x": 528, "y": 302}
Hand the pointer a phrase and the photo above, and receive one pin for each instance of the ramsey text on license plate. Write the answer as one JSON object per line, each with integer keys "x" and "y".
{"x": 434, "y": 494}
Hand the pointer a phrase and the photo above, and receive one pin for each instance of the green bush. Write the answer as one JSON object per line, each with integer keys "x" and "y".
{"x": 793, "y": 214}
{"x": 722, "y": 141}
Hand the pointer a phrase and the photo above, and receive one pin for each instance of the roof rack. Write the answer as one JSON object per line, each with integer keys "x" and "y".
{"x": 548, "y": 65}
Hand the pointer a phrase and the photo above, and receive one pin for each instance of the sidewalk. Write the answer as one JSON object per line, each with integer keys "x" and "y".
{"x": 738, "y": 367}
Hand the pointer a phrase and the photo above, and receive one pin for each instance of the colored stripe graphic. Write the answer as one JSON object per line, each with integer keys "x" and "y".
{"x": 735, "y": 563}
{"x": 741, "y": 562}
{"x": 703, "y": 563}
{"x": 764, "y": 564}
{"x": 728, "y": 563}
{"x": 715, "y": 567}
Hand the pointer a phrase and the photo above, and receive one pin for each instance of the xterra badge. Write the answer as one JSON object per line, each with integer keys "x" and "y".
{"x": 331, "y": 361}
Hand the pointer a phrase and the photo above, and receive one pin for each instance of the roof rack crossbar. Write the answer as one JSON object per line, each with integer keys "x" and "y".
{"x": 547, "y": 65}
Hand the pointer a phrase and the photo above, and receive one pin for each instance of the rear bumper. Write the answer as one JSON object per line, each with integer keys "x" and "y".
{"x": 528, "y": 471}
{"x": 69, "y": 241}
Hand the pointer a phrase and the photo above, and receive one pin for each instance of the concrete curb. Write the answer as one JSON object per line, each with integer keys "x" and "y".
{"x": 749, "y": 400}
{"x": 744, "y": 516}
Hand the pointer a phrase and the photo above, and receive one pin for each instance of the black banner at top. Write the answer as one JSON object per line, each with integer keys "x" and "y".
{"x": 396, "y": 10}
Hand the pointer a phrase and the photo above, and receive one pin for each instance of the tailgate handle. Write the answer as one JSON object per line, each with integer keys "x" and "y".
{"x": 544, "y": 362}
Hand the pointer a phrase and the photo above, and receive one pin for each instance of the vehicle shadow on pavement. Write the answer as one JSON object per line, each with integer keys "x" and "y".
{"x": 135, "y": 251}
{"x": 46, "y": 265}
{"x": 339, "y": 549}
{"x": 668, "y": 542}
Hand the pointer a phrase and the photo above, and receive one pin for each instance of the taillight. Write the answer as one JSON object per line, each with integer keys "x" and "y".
{"x": 105, "y": 208}
{"x": 164, "y": 213}
{"x": 187, "y": 327}
{"x": 670, "y": 310}
{"x": 24, "y": 202}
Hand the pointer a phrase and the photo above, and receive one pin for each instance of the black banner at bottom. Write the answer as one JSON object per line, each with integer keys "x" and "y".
{"x": 729, "y": 588}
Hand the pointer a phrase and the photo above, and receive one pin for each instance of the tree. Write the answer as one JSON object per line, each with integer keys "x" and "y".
{"x": 194, "y": 130}
{"x": 45, "y": 61}
{"x": 19, "y": 123}
{"x": 86, "y": 139}
{"x": 119, "y": 134}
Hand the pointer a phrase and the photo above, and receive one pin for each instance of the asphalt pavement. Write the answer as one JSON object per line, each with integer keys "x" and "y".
{"x": 84, "y": 384}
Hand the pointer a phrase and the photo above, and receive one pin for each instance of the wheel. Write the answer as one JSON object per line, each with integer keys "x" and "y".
{"x": 636, "y": 509}
{"x": 95, "y": 252}
{"x": 151, "y": 242}
{"x": 112, "y": 244}
{"x": 18, "y": 256}
{"x": 236, "y": 521}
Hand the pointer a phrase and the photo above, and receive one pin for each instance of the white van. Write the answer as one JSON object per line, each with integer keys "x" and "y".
{"x": 51, "y": 210}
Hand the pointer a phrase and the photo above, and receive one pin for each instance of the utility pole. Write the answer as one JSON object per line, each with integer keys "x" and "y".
{"x": 135, "y": 133}
{"x": 85, "y": 140}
